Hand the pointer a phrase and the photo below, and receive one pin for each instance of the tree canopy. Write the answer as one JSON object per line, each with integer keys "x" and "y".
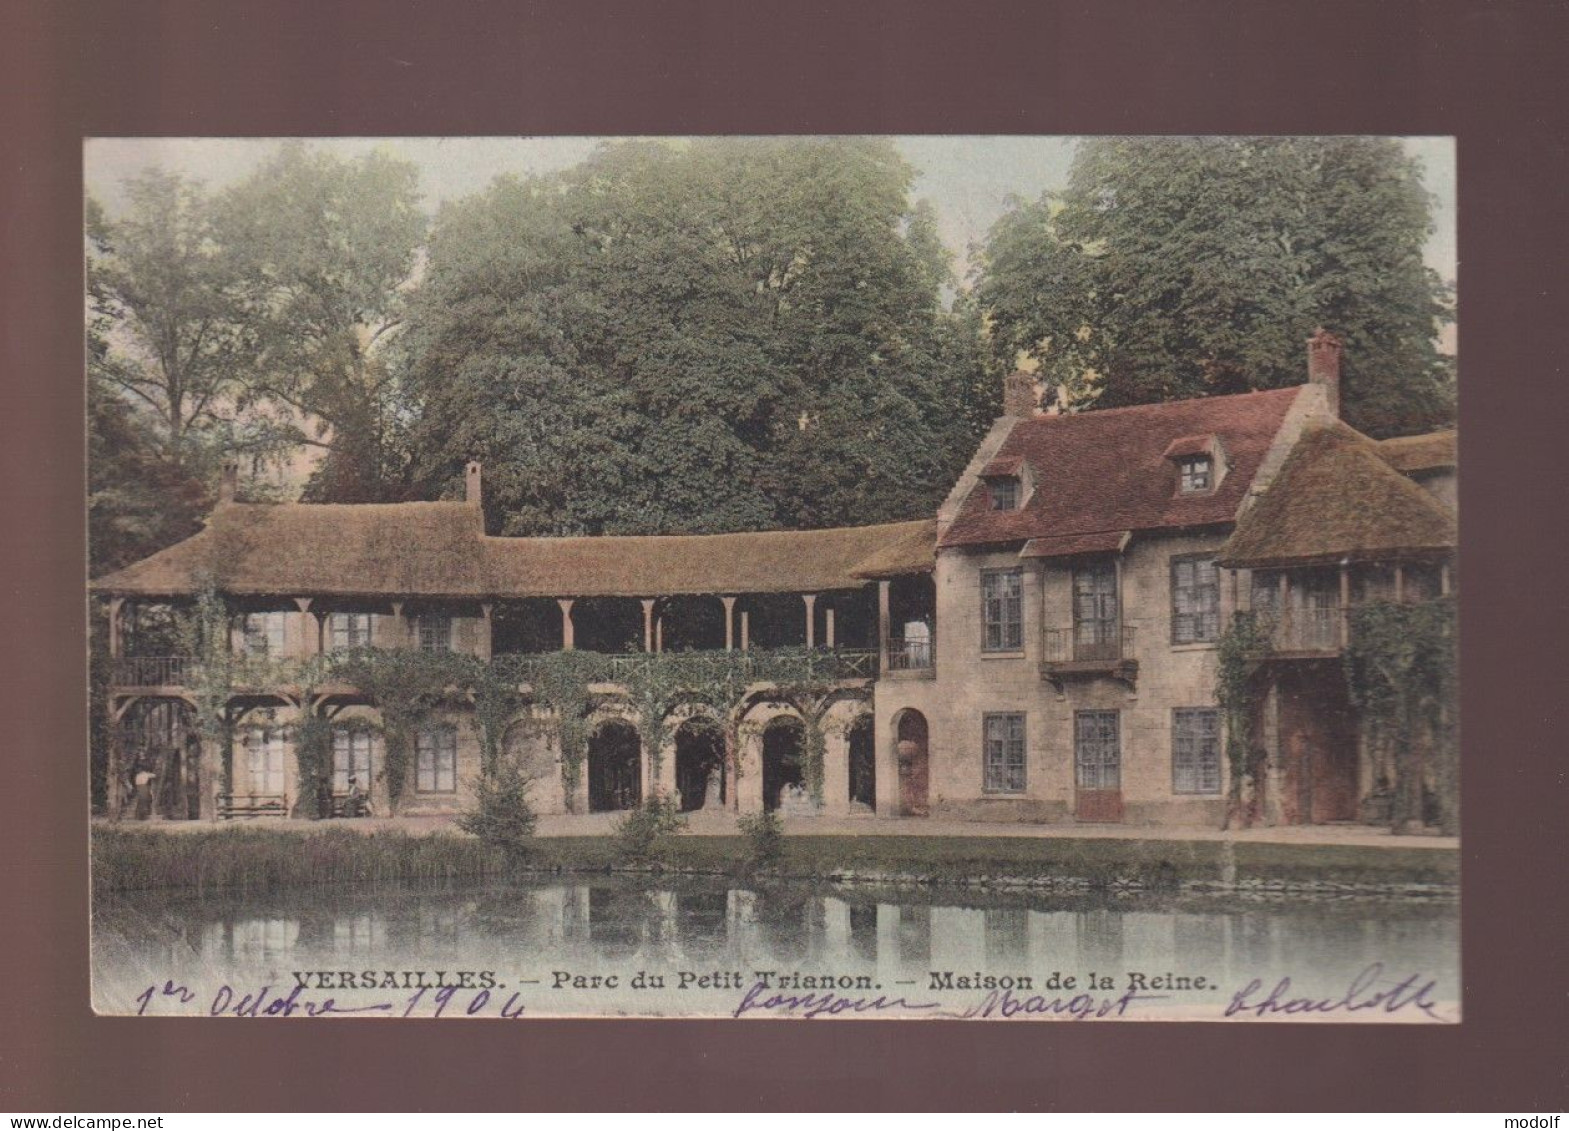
{"x": 712, "y": 336}
{"x": 1181, "y": 267}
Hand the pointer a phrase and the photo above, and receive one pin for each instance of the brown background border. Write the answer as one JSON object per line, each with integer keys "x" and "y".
{"x": 1486, "y": 72}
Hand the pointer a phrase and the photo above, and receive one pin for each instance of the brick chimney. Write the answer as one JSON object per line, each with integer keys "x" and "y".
{"x": 1020, "y": 396}
{"x": 1324, "y": 351}
{"x": 229, "y": 481}
{"x": 471, "y": 484}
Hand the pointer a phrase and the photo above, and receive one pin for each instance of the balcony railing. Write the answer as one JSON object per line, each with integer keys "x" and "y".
{"x": 1311, "y": 629}
{"x": 1089, "y": 644}
{"x": 150, "y": 671}
{"x": 909, "y": 655}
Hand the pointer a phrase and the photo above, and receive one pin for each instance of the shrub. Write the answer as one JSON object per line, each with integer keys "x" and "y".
{"x": 641, "y": 836}
{"x": 764, "y": 836}
{"x": 502, "y": 816}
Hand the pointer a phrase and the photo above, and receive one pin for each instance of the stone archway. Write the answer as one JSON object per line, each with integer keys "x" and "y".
{"x": 910, "y": 749}
{"x": 615, "y": 767}
{"x": 784, "y": 759}
{"x": 701, "y": 778}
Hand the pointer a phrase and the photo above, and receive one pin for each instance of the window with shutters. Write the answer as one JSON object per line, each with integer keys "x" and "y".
{"x": 264, "y": 760}
{"x": 349, "y": 630}
{"x": 1195, "y": 600}
{"x": 436, "y": 760}
{"x": 350, "y": 759}
{"x": 1097, "y": 749}
{"x": 1195, "y": 750}
{"x": 435, "y": 632}
{"x": 264, "y": 634}
{"x": 1003, "y": 738}
{"x": 1002, "y": 610}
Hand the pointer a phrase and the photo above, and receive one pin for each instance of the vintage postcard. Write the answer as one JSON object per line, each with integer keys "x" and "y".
{"x": 1002, "y": 578}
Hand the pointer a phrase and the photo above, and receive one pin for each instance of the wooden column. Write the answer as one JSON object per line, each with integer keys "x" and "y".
{"x": 115, "y": 644}
{"x": 486, "y": 637}
{"x": 746, "y": 630}
{"x": 811, "y": 618}
{"x": 882, "y": 626}
{"x": 648, "y": 624}
{"x": 1443, "y": 579}
{"x": 1345, "y": 603}
{"x": 1400, "y": 584}
{"x": 1284, "y": 628}
{"x": 828, "y": 625}
{"x": 729, "y": 604}
{"x": 567, "y": 644}
{"x": 307, "y": 648}
{"x": 400, "y": 628}
{"x": 659, "y": 633}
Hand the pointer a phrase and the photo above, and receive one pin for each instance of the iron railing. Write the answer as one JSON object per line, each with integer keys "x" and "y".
{"x": 909, "y": 655}
{"x": 1089, "y": 643}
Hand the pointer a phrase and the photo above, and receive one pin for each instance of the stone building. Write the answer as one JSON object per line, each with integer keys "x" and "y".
{"x": 1045, "y": 649}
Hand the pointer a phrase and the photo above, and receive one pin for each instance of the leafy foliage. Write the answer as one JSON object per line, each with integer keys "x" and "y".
{"x": 721, "y": 335}
{"x": 501, "y": 815}
{"x": 764, "y": 836}
{"x": 1242, "y": 645}
{"x": 1401, "y": 671}
{"x": 1182, "y": 267}
{"x": 643, "y": 834}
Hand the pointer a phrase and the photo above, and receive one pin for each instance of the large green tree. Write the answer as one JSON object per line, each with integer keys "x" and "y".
{"x": 695, "y": 337}
{"x": 1181, "y": 267}
{"x": 319, "y": 249}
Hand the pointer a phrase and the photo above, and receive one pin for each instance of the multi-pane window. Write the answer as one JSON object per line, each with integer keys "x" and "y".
{"x": 1195, "y": 600}
{"x": 1004, "y": 743}
{"x": 435, "y": 632}
{"x": 1195, "y": 750}
{"x": 1002, "y": 610}
{"x": 1004, "y": 494}
{"x": 1195, "y": 473}
{"x": 436, "y": 760}
{"x": 350, "y": 630}
{"x": 264, "y": 634}
{"x": 264, "y": 760}
{"x": 350, "y": 759}
{"x": 1097, "y": 749}
{"x": 1095, "y": 634}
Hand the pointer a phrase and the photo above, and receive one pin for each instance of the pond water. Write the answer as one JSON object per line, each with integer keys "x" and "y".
{"x": 616, "y": 945}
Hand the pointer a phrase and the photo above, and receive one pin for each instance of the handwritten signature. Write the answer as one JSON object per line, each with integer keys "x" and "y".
{"x": 266, "y": 1002}
{"x": 1411, "y": 992}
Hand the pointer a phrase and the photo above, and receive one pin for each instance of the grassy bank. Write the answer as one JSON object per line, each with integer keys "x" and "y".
{"x": 257, "y": 859}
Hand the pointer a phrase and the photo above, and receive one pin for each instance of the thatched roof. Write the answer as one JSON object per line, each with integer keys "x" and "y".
{"x": 441, "y": 550}
{"x": 1337, "y": 498}
{"x": 1113, "y": 469}
{"x": 1430, "y": 451}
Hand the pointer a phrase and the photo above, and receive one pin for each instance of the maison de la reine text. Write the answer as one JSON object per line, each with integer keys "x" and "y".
{"x": 1043, "y": 649}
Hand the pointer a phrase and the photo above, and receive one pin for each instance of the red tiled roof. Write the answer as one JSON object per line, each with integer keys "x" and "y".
{"x": 1066, "y": 545}
{"x": 1107, "y": 470}
{"x": 1002, "y": 467}
{"x": 1189, "y": 446}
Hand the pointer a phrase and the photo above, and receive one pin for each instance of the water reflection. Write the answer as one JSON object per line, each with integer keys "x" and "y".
{"x": 527, "y": 932}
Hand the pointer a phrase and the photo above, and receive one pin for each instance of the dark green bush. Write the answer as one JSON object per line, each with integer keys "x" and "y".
{"x": 764, "y": 836}
{"x": 641, "y": 836}
{"x": 502, "y": 816}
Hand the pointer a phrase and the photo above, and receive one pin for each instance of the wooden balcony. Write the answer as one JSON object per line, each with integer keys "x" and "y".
{"x": 1300, "y": 633}
{"x": 1069, "y": 653}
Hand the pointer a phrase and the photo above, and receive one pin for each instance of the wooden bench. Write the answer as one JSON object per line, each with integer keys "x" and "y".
{"x": 232, "y": 805}
{"x": 340, "y": 805}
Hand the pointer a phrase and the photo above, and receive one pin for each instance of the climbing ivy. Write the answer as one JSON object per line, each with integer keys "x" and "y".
{"x": 1401, "y": 674}
{"x": 1241, "y": 648}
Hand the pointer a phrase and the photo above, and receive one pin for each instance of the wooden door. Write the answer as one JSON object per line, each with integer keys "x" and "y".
{"x": 1097, "y": 758}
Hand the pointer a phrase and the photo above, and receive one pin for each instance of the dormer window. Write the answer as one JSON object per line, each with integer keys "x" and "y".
{"x": 1195, "y": 474}
{"x": 1200, "y": 463}
{"x": 1004, "y": 494}
{"x": 1008, "y": 485}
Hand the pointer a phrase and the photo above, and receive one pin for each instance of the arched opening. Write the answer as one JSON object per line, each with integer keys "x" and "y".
{"x": 863, "y": 764}
{"x": 160, "y": 760}
{"x": 784, "y": 758}
{"x": 700, "y": 764}
{"x": 914, "y": 772}
{"x": 614, "y": 767}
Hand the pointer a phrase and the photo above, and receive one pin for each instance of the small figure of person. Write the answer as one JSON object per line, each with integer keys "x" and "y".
{"x": 354, "y": 803}
{"x": 143, "y": 780}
